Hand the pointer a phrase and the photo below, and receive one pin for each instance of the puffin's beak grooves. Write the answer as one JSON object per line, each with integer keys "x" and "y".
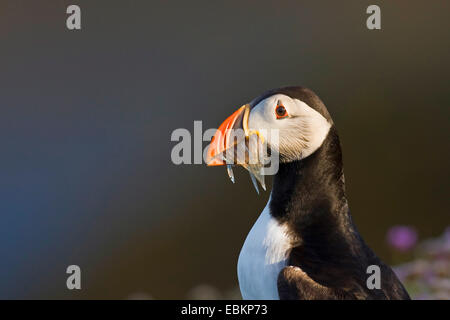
{"x": 221, "y": 140}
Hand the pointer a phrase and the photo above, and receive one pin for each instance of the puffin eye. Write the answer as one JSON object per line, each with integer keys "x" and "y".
{"x": 280, "y": 111}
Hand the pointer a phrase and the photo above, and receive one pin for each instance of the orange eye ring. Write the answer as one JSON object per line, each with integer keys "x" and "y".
{"x": 280, "y": 111}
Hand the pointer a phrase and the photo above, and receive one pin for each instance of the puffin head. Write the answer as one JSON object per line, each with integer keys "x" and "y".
{"x": 297, "y": 114}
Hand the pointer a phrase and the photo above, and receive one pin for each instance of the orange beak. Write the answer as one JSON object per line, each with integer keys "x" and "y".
{"x": 222, "y": 141}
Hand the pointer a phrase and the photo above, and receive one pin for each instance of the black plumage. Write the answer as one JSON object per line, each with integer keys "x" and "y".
{"x": 329, "y": 259}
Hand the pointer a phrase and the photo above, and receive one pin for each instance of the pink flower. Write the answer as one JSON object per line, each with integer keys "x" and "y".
{"x": 402, "y": 238}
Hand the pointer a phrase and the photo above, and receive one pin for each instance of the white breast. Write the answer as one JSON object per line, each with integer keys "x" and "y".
{"x": 262, "y": 257}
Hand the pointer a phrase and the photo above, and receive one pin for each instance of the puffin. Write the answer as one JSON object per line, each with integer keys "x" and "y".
{"x": 304, "y": 245}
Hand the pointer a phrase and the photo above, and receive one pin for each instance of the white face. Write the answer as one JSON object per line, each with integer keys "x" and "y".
{"x": 302, "y": 129}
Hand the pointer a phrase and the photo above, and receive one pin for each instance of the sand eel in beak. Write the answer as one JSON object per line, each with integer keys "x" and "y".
{"x": 304, "y": 245}
{"x": 236, "y": 144}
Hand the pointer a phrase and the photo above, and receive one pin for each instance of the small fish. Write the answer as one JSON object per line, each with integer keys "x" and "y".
{"x": 230, "y": 172}
{"x": 249, "y": 154}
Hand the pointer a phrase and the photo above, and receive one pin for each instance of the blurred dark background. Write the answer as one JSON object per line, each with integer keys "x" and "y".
{"x": 86, "y": 118}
